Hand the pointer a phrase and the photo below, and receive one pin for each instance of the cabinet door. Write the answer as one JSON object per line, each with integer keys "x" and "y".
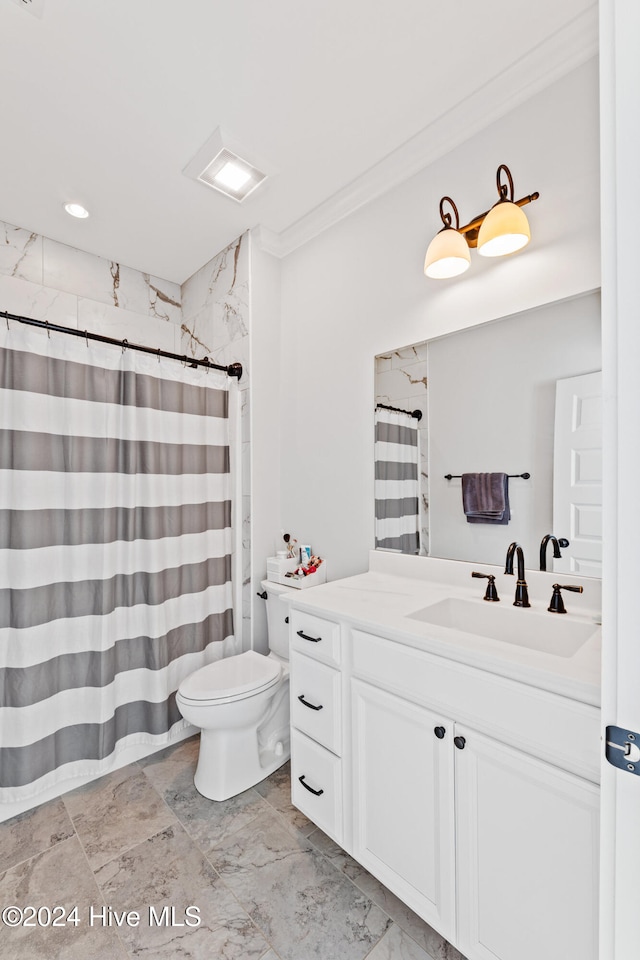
{"x": 403, "y": 801}
{"x": 527, "y": 856}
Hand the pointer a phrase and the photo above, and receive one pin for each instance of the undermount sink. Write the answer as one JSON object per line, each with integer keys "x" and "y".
{"x": 521, "y": 626}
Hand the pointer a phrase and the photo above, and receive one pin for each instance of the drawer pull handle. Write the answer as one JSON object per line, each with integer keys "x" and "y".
{"x": 459, "y": 742}
{"x": 306, "y": 637}
{"x": 316, "y": 793}
{"x": 439, "y": 732}
{"x": 311, "y": 706}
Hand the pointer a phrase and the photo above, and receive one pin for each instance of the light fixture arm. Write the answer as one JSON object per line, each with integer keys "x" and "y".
{"x": 446, "y": 217}
{"x": 502, "y": 187}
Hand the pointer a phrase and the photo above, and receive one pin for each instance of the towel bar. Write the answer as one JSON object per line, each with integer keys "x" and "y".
{"x": 457, "y": 476}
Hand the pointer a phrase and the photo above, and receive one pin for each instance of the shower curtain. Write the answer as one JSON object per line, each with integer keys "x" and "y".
{"x": 115, "y": 551}
{"x": 397, "y": 493}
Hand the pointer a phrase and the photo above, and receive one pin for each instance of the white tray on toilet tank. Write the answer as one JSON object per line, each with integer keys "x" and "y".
{"x": 277, "y": 569}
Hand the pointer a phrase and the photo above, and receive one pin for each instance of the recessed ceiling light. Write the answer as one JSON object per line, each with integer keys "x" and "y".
{"x": 232, "y": 176}
{"x": 219, "y": 164}
{"x": 76, "y": 210}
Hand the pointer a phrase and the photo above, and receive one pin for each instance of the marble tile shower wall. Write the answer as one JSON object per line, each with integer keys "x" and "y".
{"x": 47, "y": 280}
{"x": 216, "y": 324}
{"x": 207, "y": 316}
{"x": 401, "y": 381}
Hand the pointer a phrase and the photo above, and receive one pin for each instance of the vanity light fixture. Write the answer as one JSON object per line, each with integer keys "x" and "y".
{"x": 76, "y": 210}
{"x": 502, "y": 230}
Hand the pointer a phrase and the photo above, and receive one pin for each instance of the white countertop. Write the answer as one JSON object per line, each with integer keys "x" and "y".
{"x": 381, "y": 601}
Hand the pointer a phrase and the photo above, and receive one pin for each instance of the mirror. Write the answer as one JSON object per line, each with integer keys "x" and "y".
{"x": 519, "y": 395}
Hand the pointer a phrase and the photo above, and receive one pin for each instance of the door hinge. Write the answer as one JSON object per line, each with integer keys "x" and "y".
{"x": 623, "y": 749}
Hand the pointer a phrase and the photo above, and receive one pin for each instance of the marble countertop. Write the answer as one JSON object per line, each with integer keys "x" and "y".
{"x": 381, "y": 602}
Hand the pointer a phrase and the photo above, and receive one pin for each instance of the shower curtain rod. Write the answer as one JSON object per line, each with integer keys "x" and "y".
{"x": 233, "y": 370}
{"x": 417, "y": 414}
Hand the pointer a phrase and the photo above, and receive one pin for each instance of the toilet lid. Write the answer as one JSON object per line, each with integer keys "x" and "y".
{"x": 243, "y": 674}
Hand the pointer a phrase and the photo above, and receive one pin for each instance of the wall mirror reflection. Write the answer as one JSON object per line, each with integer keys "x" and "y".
{"x": 519, "y": 395}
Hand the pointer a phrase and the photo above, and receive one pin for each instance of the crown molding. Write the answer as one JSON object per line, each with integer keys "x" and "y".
{"x": 558, "y": 55}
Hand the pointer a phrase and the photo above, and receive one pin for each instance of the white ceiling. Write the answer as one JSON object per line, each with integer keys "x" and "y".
{"x": 105, "y": 102}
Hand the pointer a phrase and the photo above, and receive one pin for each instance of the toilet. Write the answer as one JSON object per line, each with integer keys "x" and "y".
{"x": 241, "y": 705}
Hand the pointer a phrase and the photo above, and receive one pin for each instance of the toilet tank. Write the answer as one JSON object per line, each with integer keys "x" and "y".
{"x": 277, "y": 612}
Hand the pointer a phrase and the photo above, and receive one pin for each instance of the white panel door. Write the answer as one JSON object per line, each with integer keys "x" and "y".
{"x": 577, "y": 474}
{"x": 620, "y": 188}
{"x": 404, "y": 802}
{"x": 527, "y": 856}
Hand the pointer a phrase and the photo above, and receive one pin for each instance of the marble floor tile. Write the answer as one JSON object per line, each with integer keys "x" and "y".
{"x": 168, "y": 870}
{"x": 174, "y": 758}
{"x": 276, "y": 790}
{"x": 304, "y": 907}
{"x": 409, "y": 922}
{"x": 59, "y": 877}
{"x": 396, "y": 945}
{"x": 32, "y": 832}
{"x": 116, "y": 812}
{"x": 207, "y": 821}
{"x": 424, "y": 935}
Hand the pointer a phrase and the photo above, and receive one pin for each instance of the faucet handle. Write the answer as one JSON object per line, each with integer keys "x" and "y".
{"x": 490, "y": 593}
{"x": 556, "y": 604}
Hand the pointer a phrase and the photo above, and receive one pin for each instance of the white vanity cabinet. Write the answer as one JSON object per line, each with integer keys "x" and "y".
{"x": 403, "y": 801}
{"x": 316, "y": 721}
{"x": 527, "y": 855}
{"x": 472, "y": 796}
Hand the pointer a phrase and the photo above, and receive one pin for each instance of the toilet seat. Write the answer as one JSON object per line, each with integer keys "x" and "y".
{"x": 235, "y": 678}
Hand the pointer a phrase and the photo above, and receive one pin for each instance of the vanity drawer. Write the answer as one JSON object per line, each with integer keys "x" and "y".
{"x": 315, "y": 701}
{"x": 315, "y": 636}
{"x": 555, "y": 728}
{"x": 316, "y": 784}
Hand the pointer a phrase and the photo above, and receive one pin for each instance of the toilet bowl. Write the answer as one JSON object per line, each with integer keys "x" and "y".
{"x": 241, "y": 705}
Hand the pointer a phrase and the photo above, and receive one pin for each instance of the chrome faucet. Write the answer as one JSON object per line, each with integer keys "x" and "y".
{"x": 556, "y": 548}
{"x": 522, "y": 593}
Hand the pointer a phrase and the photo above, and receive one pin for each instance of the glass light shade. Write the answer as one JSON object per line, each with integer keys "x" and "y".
{"x": 505, "y": 229}
{"x": 447, "y": 256}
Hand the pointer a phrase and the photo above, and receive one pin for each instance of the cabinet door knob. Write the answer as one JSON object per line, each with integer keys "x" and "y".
{"x": 316, "y": 793}
{"x": 286, "y": 619}
{"x": 439, "y": 732}
{"x": 459, "y": 742}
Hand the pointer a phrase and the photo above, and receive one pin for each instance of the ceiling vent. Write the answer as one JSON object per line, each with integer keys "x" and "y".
{"x": 225, "y": 169}
{"x": 36, "y": 7}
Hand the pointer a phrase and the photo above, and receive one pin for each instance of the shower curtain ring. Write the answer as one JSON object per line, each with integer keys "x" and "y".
{"x": 158, "y": 354}
{"x": 208, "y": 363}
{"x": 184, "y": 361}
{"x": 86, "y": 337}
{"x": 46, "y": 323}
{"x": 125, "y": 344}
{"x": 6, "y": 316}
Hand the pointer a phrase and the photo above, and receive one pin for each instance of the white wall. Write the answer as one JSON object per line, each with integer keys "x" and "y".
{"x": 492, "y": 401}
{"x": 359, "y": 290}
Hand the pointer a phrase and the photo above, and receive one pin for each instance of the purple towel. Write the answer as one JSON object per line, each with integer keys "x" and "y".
{"x": 485, "y": 497}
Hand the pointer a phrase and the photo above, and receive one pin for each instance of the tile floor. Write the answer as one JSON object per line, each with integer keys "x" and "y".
{"x": 268, "y": 884}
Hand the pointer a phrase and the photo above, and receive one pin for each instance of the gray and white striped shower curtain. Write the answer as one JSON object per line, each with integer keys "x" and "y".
{"x": 115, "y": 551}
{"x": 397, "y": 492}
